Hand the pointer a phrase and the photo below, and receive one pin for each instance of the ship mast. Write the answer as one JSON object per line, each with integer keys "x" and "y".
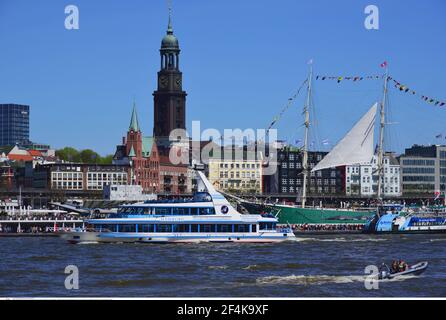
{"x": 381, "y": 139}
{"x": 307, "y": 126}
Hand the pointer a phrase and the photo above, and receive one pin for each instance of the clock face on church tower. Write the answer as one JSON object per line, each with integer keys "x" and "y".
{"x": 178, "y": 82}
{"x": 163, "y": 82}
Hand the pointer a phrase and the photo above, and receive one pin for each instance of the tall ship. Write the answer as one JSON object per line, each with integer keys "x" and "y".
{"x": 206, "y": 217}
{"x": 356, "y": 148}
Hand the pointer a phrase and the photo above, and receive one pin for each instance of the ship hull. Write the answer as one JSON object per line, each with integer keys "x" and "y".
{"x": 296, "y": 215}
{"x": 114, "y": 237}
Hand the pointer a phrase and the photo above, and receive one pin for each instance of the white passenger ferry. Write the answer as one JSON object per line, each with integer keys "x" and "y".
{"x": 207, "y": 217}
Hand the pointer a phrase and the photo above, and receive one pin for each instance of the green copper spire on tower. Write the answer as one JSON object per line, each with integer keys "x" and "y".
{"x": 134, "y": 121}
{"x": 169, "y": 25}
{"x": 170, "y": 42}
{"x": 132, "y": 152}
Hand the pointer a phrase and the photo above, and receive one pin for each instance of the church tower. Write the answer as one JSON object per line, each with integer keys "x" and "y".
{"x": 169, "y": 98}
{"x": 134, "y": 137}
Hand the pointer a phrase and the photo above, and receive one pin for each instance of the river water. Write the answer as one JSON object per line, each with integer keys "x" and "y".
{"x": 312, "y": 266}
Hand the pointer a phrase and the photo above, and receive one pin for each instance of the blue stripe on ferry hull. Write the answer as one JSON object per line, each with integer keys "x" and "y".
{"x": 149, "y": 238}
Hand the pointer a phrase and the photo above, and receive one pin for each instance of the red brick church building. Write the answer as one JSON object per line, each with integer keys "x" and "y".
{"x": 152, "y": 171}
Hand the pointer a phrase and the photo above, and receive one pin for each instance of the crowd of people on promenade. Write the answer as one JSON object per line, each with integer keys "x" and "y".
{"x": 327, "y": 227}
{"x": 31, "y": 229}
{"x": 35, "y": 222}
{"x": 39, "y": 216}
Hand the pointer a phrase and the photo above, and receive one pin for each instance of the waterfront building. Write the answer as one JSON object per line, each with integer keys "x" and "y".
{"x": 423, "y": 170}
{"x": 18, "y": 154}
{"x": 239, "y": 173}
{"x": 173, "y": 178}
{"x": 6, "y": 176}
{"x": 14, "y": 124}
{"x": 362, "y": 180}
{"x": 79, "y": 176}
{"x": 288, "y": 178}
{"x": 21, "y": 163}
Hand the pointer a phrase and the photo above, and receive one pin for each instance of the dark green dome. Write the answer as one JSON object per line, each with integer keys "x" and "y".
{"x": 169, "y": 42}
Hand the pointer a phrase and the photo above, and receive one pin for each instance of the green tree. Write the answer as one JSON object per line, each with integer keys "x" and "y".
{"x": 89, "y": 156}
{"x": 84, "y": 156}
{"x": 68, "y": 154}
{"x": 107, "y": 159}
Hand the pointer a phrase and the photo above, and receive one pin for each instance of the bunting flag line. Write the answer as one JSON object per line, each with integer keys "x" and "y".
{"x": 351, "y": 78}
{"x": 398, "y": 85}
{"x": 289, "y": 103}
{"x": 403, "y": 88}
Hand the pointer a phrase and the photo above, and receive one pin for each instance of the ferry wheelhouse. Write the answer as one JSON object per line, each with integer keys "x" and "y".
{"x": 207, "y": 217}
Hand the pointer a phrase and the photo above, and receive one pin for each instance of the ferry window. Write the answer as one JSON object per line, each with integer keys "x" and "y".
{"x": 140, "y": 210}
{"x": 254, "y": 228}
{"x": 241, "y": 228}
{"x": 181, "y": 211}
{"x": 109, "y": 227}
{"x": 206, "y": 228}
{"x": 145, "y": 228}
{"x": 194, "y": 228}
{"x": 127, "y": 228}
{"x": 204, "y": 211}
{"x": 267, "y": 226}
{"x": 224, "y": 228}
{"x": 164, "y": 228}
{"x": 180, "y": 228}
{"x": 148, "y": 210}
{"x": 134, "y": 210}
{"x": 193, "y": 211}
{"x": 162, "y": 211}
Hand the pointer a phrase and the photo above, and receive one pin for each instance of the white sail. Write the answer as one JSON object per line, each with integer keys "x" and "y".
{"x": 356, "y": 147}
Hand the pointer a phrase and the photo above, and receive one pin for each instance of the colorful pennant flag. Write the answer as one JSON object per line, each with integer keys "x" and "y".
{"x": 290, "y": 101}
{"x": 403, "y": 88}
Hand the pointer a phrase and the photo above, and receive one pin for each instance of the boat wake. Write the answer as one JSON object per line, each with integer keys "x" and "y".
{"x": 320, "y": 279}
{"x": 217, "y": 267}
{"x": 341, "y": 240}
{"x": 307, "y": 280}
{"x": 429, "y": 241}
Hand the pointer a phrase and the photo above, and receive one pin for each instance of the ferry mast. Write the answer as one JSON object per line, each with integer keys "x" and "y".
{"x": 307, "y": 126}
{"x": 381, "y": 138}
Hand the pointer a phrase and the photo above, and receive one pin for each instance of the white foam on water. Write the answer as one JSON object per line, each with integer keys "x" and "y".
{"x": 342, "y": 240}
{"x": 217, "y": 267}
{"x": 251, "y": 266}
{"x": 321, "y": 279}
{"x": 433, "y": 240}
{"x": 307, "y": 280}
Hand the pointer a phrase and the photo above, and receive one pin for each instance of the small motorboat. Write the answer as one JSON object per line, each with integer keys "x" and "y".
{"x": 416, "y": 269}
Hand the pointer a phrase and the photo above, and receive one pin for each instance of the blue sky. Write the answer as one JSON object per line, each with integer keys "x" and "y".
{"x": 241, "y": 61}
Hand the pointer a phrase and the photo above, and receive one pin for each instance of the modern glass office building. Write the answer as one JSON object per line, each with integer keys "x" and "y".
{"x": 14, "y": 124}
{"x": 424, "y": 169}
